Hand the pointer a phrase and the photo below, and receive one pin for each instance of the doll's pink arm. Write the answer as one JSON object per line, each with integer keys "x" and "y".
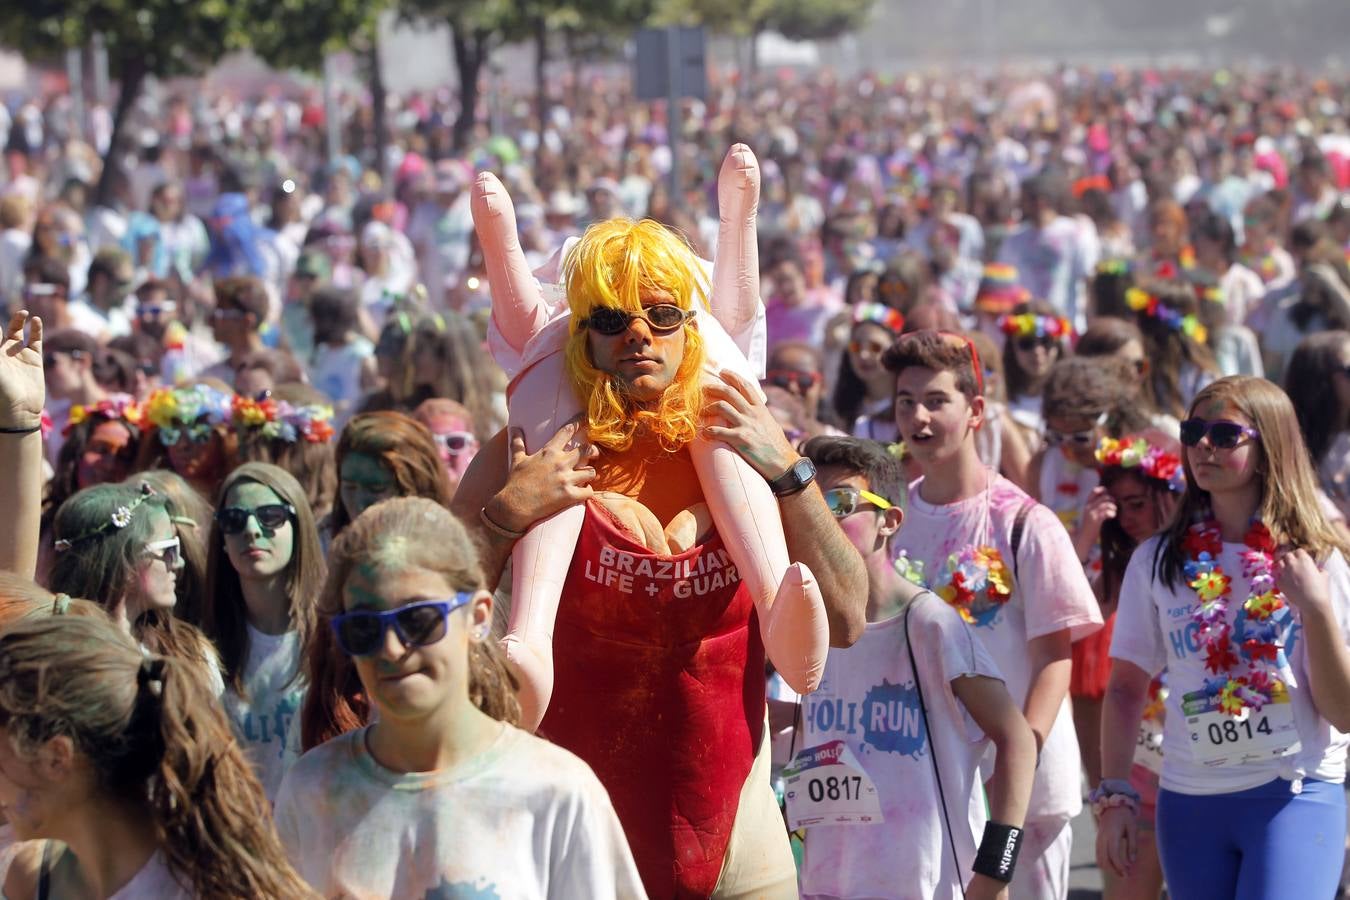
{"x": 518, "y": 306}
{"x": 735, "y": 279}
{"x": 792, "y": 620}
{"x": 541, "y": 399}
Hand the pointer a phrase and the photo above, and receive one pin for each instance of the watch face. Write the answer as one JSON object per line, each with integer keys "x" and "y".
{"x": 803, "y": 470}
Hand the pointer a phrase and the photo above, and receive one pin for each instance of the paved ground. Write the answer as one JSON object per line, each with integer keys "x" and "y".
{"x": 1085, "y": 882}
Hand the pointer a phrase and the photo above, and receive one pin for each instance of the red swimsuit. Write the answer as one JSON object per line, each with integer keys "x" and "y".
{"x": 659, "y": 687}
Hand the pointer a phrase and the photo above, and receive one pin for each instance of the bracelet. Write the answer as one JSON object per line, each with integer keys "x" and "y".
{"x": 37, "y": 427}
{"x": 997, "y": 856}
{"x": 1114, "y": 792}
{"x": 496, "y": 529}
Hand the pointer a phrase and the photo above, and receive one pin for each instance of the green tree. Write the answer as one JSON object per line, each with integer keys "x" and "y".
{"x": 796, "y": 19}
{"x": 164, "y": 38}
{"x": 602, "y": 22}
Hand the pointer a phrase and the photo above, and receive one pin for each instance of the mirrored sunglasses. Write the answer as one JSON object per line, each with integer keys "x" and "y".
{"x": 844, "y": 501}
{"x": 662, "y": 318}
{"x": 197, "y": 433}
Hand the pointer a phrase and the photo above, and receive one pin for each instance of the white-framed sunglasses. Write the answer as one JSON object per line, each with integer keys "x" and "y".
{"x": 456, "y": 442}
{"x": 168, "y": 551}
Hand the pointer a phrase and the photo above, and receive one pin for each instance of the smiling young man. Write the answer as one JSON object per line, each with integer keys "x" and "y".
{"x": 1009, "y": 567}
{"x": 915, "y": 696}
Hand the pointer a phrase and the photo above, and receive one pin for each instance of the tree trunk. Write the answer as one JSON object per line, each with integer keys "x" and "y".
{"x": 574, "y": 62}
{"x": 470, "y": 50}
{"x": 131, "y": 75}
{"x": 378, "y": 105}
{"x": 541, "y": 72}
{"x": 753, "y": 72}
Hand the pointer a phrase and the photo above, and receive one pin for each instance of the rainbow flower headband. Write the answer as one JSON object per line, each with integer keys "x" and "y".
{"x": 1031, "y": 325}
{"x": 1142, "y": 301}
{"x": 1114, "y": 267}
{"x": 115, "y": 408}
{"x": 277, "y": 419}
{"x": 1152, "y": 460}
{"x": 168, "y": 407}
{"x": 879, "y": 314}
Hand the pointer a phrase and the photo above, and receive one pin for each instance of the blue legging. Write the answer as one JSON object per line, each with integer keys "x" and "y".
{"x": 1264, "y": 843}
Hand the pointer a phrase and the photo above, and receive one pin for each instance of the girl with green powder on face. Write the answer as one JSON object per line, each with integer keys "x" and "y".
{"x": 264, "y": 572}
{"x": 442, "y": 794}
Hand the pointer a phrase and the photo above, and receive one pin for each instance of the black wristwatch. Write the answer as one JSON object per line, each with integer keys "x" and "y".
{"x": 798, "y": 476}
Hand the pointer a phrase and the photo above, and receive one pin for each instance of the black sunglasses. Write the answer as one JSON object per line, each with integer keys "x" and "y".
{"x": 1223, "y": 434}
{"x": 662, "y": 318}
{"x": 361, "y": 632}
{"x": 271, "y": 516}
{"x": 1031, "y": 342}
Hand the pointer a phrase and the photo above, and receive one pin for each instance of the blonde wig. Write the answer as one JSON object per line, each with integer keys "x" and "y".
{"x": 616, "y": 263}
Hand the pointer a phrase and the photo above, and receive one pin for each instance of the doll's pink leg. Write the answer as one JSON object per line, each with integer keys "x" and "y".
{"x": 791, "y": 611}
{"x": 735, "y": 278}
{"x": 518, "y": 307}
{"x": 541, "y": 401}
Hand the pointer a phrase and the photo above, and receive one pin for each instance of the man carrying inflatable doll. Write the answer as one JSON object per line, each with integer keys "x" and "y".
{"x": 640, "y": 620}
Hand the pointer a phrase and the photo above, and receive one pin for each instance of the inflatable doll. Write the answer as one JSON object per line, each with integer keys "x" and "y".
{"x": 649, "y": 665}
{"x": 543, "y": 395}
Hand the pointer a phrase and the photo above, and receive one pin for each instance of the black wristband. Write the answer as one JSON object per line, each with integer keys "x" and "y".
{"x": 997, "y": 856}
{"x": 37, "y": 427}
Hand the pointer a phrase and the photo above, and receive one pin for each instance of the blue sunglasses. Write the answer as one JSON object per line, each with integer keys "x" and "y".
{"x": 361, "y": 632}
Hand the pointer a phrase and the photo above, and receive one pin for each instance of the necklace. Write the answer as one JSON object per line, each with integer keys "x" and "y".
{"x": 1244, "y": 656}
{"x": 975, "y": 580}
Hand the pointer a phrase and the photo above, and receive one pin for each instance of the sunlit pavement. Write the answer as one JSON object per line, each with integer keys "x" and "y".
{"x": 1085, "y": 881}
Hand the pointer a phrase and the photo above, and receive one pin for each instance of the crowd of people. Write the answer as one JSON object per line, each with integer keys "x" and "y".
{"x": 381, "y": 527}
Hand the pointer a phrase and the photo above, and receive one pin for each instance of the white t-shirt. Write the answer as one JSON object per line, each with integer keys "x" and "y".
{"x": 274, "y": 696}
{"x": 524, "y": 818}
{"x": 868, "y": 699}
{"x": 154, "y": 881}
{"x": 1154, "y": 630}
{"x": 1049, "y": 593}
{"x": 1051, "y": 263}
{"x": 1242, "y": 292}
{"x": 337, "y": 372}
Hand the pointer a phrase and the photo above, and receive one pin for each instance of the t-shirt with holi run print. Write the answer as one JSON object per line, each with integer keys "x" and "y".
{"x": 1154, "y": 628}
{"x": 1049, "y": 593}
{"x": 868, "y": 699}
{"x": 522, "y": 819}
{"x": 272, "y": 697}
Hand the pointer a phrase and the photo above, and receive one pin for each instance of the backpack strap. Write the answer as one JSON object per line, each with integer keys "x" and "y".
{"x": 1019, "y": 525}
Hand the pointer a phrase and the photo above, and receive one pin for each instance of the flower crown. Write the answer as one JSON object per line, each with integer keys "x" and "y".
{"x": 168, "y": 407}
{"x": 277, "y": 419}
{"x": 1030, "y": 324}
{"x": 116, "y": 407}
{"x": 1135, "y": 452}
{"x": 120, "y": 518}
{"x": 1114, "y": 267}
{"x": 1142, "y": 301}
{"x": 879, "y": 314}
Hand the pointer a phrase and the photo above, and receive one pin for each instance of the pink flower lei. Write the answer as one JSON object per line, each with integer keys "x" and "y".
{"x": 1256, "y": 643}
